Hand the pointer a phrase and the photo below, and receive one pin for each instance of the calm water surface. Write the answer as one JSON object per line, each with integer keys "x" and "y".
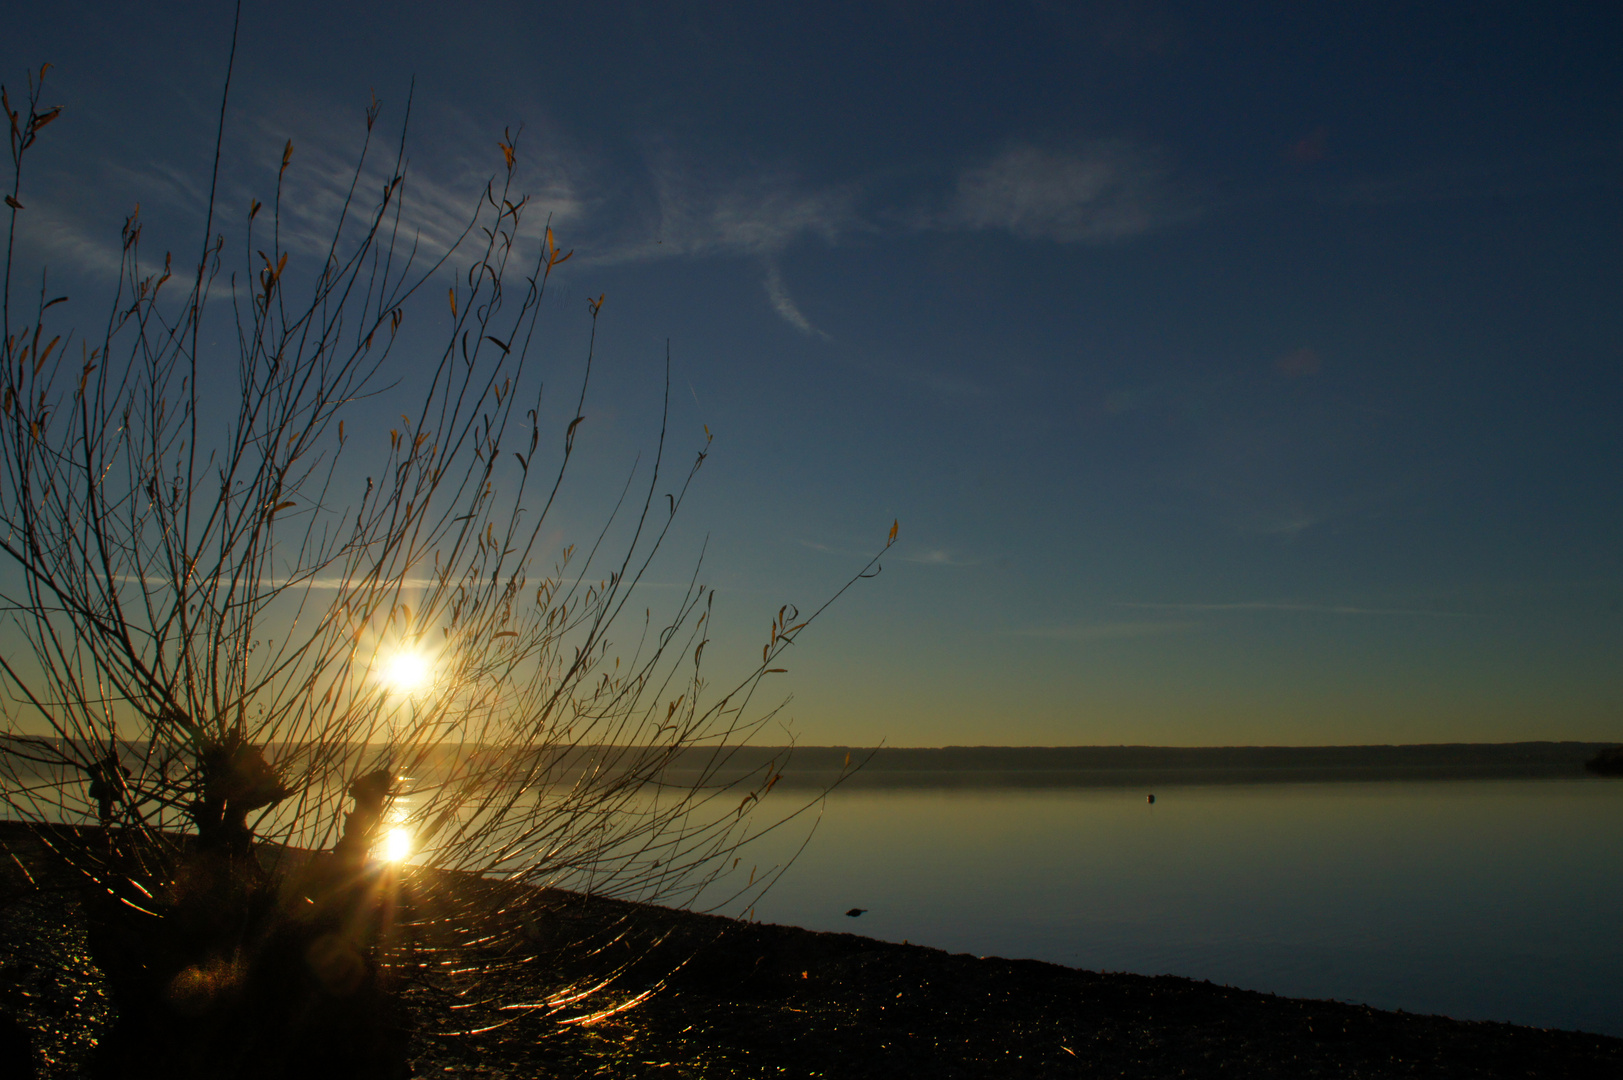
{"x": 1492, "y": 900}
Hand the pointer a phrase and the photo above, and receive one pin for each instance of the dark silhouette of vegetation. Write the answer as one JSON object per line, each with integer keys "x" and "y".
{"x": 252, "y": 642}
{"x": 1608, "y": 762}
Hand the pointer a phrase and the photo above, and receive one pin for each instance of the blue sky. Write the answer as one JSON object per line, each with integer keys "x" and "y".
{"x": 1238, "y": 373}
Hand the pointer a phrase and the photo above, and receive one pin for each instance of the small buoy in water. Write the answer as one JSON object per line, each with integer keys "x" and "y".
{"x": 854, "y": 912}
{"x": 1149, "y": 798}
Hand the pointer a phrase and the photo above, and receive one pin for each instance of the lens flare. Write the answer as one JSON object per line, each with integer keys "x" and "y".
{"x": 396, "y": 845}
{"x": 407, "y": 671}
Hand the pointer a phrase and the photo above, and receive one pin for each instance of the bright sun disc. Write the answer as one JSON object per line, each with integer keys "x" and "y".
{"x": 396, "y": 845}
{"x": 406, "y": 671}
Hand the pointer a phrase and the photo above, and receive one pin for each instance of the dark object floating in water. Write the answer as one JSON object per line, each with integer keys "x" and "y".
{"x": 1606, "y": 762}
{"x": 854, "y": 912}
{"x": 1149, "y": 798}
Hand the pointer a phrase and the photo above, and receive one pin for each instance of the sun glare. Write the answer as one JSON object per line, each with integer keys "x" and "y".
{"x": 407, "y": 671}
{"x": 396, "y": 845}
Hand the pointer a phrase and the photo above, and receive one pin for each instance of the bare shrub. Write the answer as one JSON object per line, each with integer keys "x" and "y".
{"x": 247, "y": 622}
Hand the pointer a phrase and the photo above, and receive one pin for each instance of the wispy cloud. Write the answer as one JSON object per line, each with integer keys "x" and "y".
{"x": 1108, "y": 631}
{"x": 1287, "y": 605}
{"x": 760, "y": 214}
{"x": 921, "y": 556}
{"x": 66, "y": 242}
{"x": 784, "y": 304}
{"x": 445, "y": 180}
{"x": 937, "y": 557}
{"x": 1106, "y": 192}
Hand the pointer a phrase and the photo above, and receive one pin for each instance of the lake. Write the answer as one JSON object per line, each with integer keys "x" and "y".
{"x": 1477, "y": 899}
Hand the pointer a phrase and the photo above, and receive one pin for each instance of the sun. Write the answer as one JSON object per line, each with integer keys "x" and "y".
{"x": 396, "y": 845}
{"x": 407, "y": 671}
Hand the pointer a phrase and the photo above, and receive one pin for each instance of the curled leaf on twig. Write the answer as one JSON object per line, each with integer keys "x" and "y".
{"x": 553, "y": 258}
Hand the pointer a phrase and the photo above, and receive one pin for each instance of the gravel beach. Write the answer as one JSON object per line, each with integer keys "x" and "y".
{"x": 738, "y": 999}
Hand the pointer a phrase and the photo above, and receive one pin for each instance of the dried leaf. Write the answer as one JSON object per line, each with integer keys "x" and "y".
{"x": 39, "y": 360}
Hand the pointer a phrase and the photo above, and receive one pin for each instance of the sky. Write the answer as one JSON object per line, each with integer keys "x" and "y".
{"x": 1238, "y": 374}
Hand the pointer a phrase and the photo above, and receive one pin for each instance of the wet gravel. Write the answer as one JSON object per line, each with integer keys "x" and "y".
{"x": 770, "y": 1001}
{"x": 53, "y": 999}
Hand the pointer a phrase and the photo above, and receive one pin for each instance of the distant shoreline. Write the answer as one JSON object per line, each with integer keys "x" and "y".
{"x": 1138, "y": 766}
{"x": 954, "y": 767}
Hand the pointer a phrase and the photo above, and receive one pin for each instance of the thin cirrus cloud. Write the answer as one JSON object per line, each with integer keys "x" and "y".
{"x": 759, "y": 214}
{"x": 444, "y": 186}
{"x": 1106, "y": 192}
{"x": 1315, "y": 609}
{"x": 937, "y": 557}
{"x": 784, "y": 304}
{"x": 696, "y": 213}
{"x": 443, "y": 190}
{"x": 1106, "y": 631}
